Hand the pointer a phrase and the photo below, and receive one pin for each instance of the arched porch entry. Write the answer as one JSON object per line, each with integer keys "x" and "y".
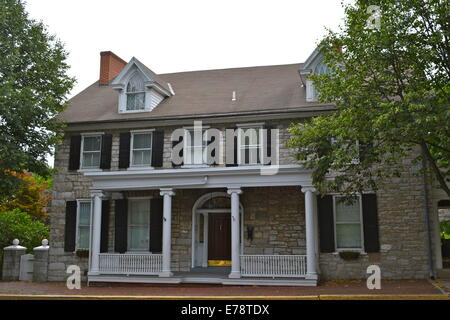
{"x": 208, "y": 210}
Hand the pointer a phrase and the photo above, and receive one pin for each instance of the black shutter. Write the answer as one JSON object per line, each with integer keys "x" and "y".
{"x": 268, "y": 142}
{"x": 70, "y": 227}
{"x": 370, "y": 223}
{"x": 156, "y": 224}
{"x": 365, "y": 150}
{"x": 75, "y": 151}
{"x": 326, "y": 223}
{"x": 124, "y": 150}
{"x": 213, "y": 153}
{"x": 104, "y": 226}
{"x": 235, "y": 151}
{"x": 121, "y": 228}
{"x": 181, "y": 154}
{"x": 157, "y": 149}
{"x": 105, "y": 157}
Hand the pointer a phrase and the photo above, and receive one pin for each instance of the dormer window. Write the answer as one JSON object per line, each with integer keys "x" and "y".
{"x": 139, "y": 88}
{"x": 135, "y": 93}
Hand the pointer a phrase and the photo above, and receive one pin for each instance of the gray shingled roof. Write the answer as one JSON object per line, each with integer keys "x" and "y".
{"x": 201, "y": 93}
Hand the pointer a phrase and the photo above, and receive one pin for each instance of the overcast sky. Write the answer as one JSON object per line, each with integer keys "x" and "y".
{"x": 180, "y": 35}
{"x": 184, "y": 35}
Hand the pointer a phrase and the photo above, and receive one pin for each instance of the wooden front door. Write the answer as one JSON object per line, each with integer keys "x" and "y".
{"x": 219, "y": 237}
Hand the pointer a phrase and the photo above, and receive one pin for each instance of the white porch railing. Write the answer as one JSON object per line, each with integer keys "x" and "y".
{"x": 273, "y": 266}
{"x": 115, "y": 263}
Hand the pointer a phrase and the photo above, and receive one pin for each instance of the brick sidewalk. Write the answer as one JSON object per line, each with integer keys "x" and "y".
{"x": 336, "y": 289}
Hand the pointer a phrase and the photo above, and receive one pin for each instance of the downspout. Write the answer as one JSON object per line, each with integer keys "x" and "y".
{"x": 427, "y": 215}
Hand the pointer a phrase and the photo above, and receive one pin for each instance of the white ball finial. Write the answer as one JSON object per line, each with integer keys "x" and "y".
{"x": 45, "y": 242}
{"x": 16, "y": 242}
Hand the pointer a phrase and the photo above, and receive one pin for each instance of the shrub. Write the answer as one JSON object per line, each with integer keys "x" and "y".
{"x": 17, "y": 224}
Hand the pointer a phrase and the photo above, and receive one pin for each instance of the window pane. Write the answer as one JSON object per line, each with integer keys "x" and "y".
{"x": 196, "y": 139}
{"x": 135, "y": 101}
{"x": 92, "y": 143}
{"x": 195, "y": 145}
{"x": 83, "y": 237}
{"x": 250, "y": 136}
{"x": 139, "y": 238}
{"x": 348, "y": 236}
{"x": 138, "y": 228}
{"x": 141, "y": 158}
{"x": 91, "y": 159}
{"x": 136, "y": 84}
{"x": 130, "y": 101}
{"x": 346, "y": 212}
{"x": 85, "y": 214}
{"x": 139, "y": 211}
{"x": 142, "y": 141}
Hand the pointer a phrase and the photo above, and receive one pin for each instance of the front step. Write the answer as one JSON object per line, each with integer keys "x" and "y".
{"x": 443, "y": 274}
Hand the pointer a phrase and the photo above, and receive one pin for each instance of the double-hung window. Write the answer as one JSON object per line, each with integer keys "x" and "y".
{"x": 138, "y": 224}
{"x": 348, "y": 224}
{"x": 249, "y": 145}
{"x": 83, "y": 224}
{"x": 195, "y": 146}
{"x": 90, "y": 151}
{"x": 141, "y": 149}
{"x": 135, "y": 93}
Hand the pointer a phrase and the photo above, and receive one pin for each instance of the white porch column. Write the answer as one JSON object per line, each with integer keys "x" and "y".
{"x": 235, "y": 233}
{"x": 167, "y": 193}
{"x": 311, "y": 269}
{"x": 96, "y": 229}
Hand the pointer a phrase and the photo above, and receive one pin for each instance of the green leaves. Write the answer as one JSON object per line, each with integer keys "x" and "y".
{"x": 391, "y": 90}
{"x": 33, "y": 89}
{"x": 19, "y": 225}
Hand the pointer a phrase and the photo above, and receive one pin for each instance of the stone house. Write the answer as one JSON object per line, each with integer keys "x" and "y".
{"x": 186, "y": 177}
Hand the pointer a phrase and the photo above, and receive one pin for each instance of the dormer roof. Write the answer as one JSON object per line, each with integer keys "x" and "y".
{"x": 151, "y": 79}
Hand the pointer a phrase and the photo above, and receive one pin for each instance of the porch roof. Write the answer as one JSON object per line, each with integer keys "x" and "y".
{"x": 217, "y": 177}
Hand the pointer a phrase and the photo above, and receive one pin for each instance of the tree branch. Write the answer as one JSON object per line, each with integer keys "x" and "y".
{"x": 435, "y": 168}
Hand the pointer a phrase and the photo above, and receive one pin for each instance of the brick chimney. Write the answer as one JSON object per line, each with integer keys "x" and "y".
{"x": 110, "y": 66}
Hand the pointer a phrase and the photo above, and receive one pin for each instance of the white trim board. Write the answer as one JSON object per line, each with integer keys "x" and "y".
{"x": 211, "y": 177}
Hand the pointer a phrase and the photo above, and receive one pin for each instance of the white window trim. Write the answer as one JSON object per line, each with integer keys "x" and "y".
{"x": 145, "y": 166}
{"x": 90, "y": 134}
{"x": 79, "y": 201}
{"x": 140, "y": 251}
{"x": 245, "y": 127}
{"x": 185, "y": 148}
{"x": 337, "y": 250}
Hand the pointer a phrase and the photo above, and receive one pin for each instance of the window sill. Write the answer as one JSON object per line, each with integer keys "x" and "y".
{"x": 89, "y": 170}
{"x": 361, "y": 252}
{"x": 134, "y": 111}
{"x": 140, "y": 168}
{"x": 138, "y": 252}
{"x": 193, "y": 166}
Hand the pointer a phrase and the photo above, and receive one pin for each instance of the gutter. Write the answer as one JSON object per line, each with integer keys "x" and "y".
{"x": 427, "y": 216}
{"x": 289, "y": 111}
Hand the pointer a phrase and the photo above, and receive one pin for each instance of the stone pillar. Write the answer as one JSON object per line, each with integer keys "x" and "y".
{"x": 235, "y": 233}
{"x": 40, "y": 268}
{"x": 96, "y": 230}
{"x": 167, "y": 194}
{"x": 311, "y": 271}
{"x": 11, "y": 261}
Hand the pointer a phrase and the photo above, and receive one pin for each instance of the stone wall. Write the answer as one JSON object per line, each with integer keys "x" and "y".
{"x": 276, "y": 214}
{"x": 402, "y": 236}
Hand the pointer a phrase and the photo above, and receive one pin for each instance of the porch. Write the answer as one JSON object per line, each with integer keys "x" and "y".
{"x": 209, "y": 275}
{"x": 247, "y": 266}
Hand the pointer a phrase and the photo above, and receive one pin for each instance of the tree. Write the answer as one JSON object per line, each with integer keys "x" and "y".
{"x": 32, "y": 196}
{"x": 391, "y": 89}
{"x": 33, "y": 88}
